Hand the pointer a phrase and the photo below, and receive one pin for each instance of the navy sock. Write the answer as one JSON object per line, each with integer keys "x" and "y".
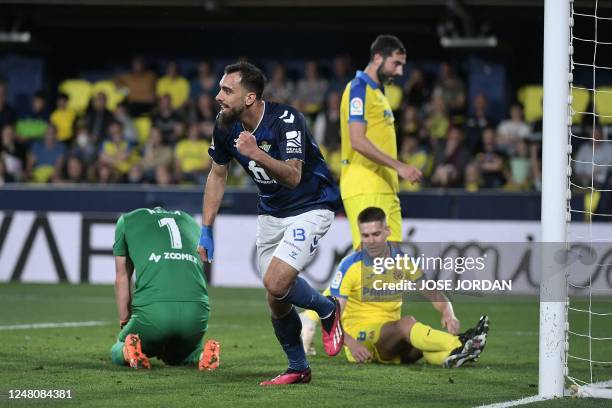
{"x": 288, "y": 329}
{"x": 305, "y": 296}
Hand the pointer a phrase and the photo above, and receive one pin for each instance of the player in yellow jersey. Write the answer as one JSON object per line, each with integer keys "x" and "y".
{"x": 370, "y": 168}
{"x": 373, "y": 326}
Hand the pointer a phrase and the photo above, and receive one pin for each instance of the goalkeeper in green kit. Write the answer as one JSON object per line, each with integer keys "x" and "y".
{"x": 167, "y": 314}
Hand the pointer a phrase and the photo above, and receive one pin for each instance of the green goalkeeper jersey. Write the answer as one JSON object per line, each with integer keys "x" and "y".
{"x": 162, "y": 245}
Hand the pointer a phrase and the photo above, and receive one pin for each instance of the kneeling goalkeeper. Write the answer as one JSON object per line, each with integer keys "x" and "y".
{"x": 167, "y": 314}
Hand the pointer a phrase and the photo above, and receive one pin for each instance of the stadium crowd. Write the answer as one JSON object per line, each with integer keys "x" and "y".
{"x": 159, "y": 130}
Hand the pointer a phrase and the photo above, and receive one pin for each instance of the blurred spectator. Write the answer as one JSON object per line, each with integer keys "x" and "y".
{"x": 437, "y": 123}
{"x": 411, "y": 153}
{"x": 140, "y": 87}
{"x": 326, "y": 128}
{"x": 98, "y": 118}
{"x": 168, "y": 121}
{"x": 4, "y": 176}
{"x": 491, "y": 161}
{"x": 163, "y": 176}
{"x": 14, "y": 153}
{"x": 136, "y": 175}
{"x": 450, "y": 159}
{"x": 473, "y": 179}
{"x": 513, "y": 130}
{"x": 122, "y": 116}
{"x": 63, "y": 118}
{"x": 72, "y": 172}
{"x": 192, "y": 161}
{"x": 34, "y": 124}
{"x": 174, "y": 85}
{"x": 116, "y": 152}
{"x": 8, "y": 116}
{"x": 416, "y": 91}
{"x": 520, "y": 172}
{"x": 203, "y": 115}
{"x": 205, "y": 83}
{"x": 105, "y": 174}
{"x": 410, "y": 125}
{"x": 451, "y": 89}
{"x": 341, "y": 74}
{"x": 155, "y": 154}
{"x": 279, "y": 88}
{"x": 477, "y": 123}
{"x": 593, "y": 161}
{"x": 310, "y": 90}
{"x": 46, "y": 157}
{"x": 85, "y": 147}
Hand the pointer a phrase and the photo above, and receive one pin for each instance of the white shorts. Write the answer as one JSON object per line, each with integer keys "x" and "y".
{"x": 292, "y": 239}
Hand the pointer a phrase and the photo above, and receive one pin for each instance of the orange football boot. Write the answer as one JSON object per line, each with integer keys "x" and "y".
{"x": 209, "y": 360}
{"x": 132, "y": 352}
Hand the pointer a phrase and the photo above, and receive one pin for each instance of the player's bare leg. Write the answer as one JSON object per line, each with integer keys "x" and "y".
{"x": 282, "y": 281}
{"x": 393, "y": 340}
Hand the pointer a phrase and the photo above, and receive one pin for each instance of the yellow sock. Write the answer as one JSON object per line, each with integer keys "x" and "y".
{"x": 425, "y": 338}
{"x": 312, "y": 315}
{"x": 436, "y": 357}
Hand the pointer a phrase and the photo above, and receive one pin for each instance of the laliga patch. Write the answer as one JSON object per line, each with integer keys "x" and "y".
{"x": 294, "y": 141}
{"x": 356, "y": 106}
{"x": 337, "y": 280}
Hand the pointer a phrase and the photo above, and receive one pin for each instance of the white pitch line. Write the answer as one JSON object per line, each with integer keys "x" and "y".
{"x": 514, "y": 403}
{"x": 89, "y": 323}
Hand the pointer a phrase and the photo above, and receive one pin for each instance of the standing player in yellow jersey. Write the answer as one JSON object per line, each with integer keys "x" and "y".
{"x": 370, "y": 167}
{"x": 373, "y": 327}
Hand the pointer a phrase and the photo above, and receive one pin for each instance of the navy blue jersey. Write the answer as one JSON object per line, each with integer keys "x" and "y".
{"x": 282, "y": 133}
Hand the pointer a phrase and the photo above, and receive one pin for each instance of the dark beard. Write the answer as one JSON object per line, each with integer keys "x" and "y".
{"x": 229, "y": 116}
{"x": 383, "y": 77}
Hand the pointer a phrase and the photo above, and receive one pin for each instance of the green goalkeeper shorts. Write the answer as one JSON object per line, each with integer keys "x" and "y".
{"x": 170, "y": 331}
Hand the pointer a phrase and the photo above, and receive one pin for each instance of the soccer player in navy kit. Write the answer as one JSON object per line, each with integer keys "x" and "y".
{"x": 297, "y": 201}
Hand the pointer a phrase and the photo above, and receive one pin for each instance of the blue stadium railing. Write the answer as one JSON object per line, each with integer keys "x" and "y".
{"x": 454, "y": 204}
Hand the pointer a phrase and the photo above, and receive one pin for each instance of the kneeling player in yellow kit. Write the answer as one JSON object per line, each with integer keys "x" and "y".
{"x": 374, "y": 328}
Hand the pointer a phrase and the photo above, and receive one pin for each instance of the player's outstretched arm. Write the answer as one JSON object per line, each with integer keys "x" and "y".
{"x": 360, "y": 353}
{"x": 361, "y": 144}
{"x": 123, "y": 296}
{"x": 288, "y": 173}
{"x": 443, "y": 305}
{"x": 213, "y": 194}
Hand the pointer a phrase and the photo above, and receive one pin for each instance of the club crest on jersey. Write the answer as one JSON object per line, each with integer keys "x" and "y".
{"x": 356, "y": 106}
{"x": 287, "y": 117}
{"x": 265, "y": 146}
{"x": 294, "y": 141}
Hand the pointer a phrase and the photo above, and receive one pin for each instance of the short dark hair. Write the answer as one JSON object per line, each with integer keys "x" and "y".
{"x": 252, "y": 78}
{"x": 385, "y": 45}
{"x": 371, "y": 214}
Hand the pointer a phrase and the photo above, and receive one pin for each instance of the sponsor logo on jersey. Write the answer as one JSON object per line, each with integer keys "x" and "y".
{"x": 287, "y": 117}
{"x": 294, "y": 141}
{"x": 173, "y": 256}
{"x": 356, "y": 106}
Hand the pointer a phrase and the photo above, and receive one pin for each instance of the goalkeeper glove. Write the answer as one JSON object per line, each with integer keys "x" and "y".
{"x": 206, "y": 241}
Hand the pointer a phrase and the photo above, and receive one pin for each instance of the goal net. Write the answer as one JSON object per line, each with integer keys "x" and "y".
{"x": 588, "y": 346}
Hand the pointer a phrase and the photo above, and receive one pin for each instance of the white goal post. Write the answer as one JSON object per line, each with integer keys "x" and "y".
{"x": 554, "y": 196}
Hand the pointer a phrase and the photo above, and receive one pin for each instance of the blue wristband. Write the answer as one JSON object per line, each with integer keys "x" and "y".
{"x": 206, "y": 241}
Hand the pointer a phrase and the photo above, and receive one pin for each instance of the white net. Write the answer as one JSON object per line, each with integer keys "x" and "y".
{"x": 589, "y": 307}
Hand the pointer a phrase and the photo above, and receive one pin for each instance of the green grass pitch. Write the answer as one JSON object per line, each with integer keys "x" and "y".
{"x": 78, "y": 358}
